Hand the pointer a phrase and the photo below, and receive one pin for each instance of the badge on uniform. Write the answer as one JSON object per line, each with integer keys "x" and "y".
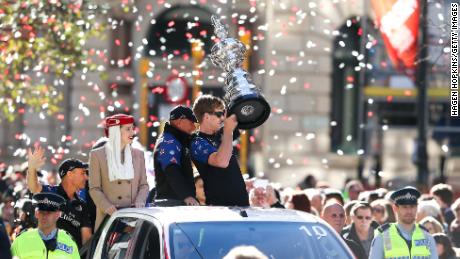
{"x": 64, "y": 247}
{"x": 421, "y": 242}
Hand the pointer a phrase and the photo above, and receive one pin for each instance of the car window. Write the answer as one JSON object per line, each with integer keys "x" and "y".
{"x": 181, "y": 246}
{"x": 148, "y": 242}
{"x": 119, "y": 237}
{"x": 294, "y": 240}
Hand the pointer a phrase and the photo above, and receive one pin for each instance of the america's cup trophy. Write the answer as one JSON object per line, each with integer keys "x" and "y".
{"x": 242, "y": 97}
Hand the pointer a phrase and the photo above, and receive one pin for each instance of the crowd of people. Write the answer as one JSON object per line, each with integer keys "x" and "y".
{"x": 58, "y": 212}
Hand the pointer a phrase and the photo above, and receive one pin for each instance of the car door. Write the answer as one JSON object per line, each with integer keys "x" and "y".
{"x": 121, "y": 238}
{"x": 148, "y": 241}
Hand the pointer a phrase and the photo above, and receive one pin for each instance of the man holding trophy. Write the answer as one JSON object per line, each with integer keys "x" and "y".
{"x": 211, "y": 147}
{"x": 212, "y": 154}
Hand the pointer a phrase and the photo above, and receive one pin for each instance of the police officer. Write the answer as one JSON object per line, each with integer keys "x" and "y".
{"x": 75, "y": 217}
{"x": 45, "y": 241}
{"x": 405, "y": 238}
{"x": 173, "y": 166}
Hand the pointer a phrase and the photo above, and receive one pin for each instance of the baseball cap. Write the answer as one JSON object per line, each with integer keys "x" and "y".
{"x": 70, "y": 164}
{"x": 182, "y": 112}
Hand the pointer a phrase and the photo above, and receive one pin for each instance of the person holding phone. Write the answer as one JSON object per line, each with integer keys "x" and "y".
{"x": 212, "y": 153}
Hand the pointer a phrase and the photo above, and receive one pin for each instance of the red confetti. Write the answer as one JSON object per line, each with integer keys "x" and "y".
{"x": 158, "y": 90}
{"x": 186, "y": 56}
{"x": 350, "y": 79}
{"x": 171, "y": 24}
{"x": 117, "y": 42}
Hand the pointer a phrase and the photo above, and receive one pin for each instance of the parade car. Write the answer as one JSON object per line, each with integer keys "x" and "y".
{"x": 211, "y": 232}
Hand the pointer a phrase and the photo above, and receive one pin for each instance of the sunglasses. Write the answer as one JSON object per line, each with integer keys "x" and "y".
{"x": 338, "y": 215}
{"x": 218, "y": 113}
{"x": 362, "y": 217}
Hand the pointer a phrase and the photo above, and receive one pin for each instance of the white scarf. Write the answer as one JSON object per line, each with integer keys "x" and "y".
{"x": 117, "y": 170}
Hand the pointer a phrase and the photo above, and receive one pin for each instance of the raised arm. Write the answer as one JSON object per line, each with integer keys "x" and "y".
{"x": 221, "y": 158}
{"x": 36, "y": 160}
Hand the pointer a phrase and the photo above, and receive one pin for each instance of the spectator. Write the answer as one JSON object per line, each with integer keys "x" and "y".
{"x": 444, "y": 246}
{"x": 334, "y": 214}
{"x": 316, "y": 199}
{"x": 382, "y": 211}
{"x": 5, "y": 252}
{"x": 444, "y": 195}
{"x": 333, "y": 194}
{"x": 299, "y": 201}
{"x": 117, "y": 176}
{"x": 245, "y": 252}
{"x": 199, "y": 188}
{"x": 347, "y": 207}
{"x": 353, "y": 188}
{"x": 429, "y": 208}
{"x": 212, "y": 154}
{"x": 264, "y": 197}
{"x": 24, "y": 216}
{"x": 308, "y": 182}
{"x": 52, "y": 178}
{"x": 454, "y": 228}
{"x": 172, "y": 163}
{"x": 362, "y": 228}
{"x": 75, "y": 217}
{"x": 432, "y": 225}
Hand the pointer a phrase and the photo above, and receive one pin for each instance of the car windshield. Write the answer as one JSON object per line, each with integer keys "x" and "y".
{"x": 274, "y": 239}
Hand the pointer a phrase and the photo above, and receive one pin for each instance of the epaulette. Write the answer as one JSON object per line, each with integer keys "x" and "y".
{"x": 383, "y": 227}
{"x": 22, "y": 231}
{"x": 423, "y": 228}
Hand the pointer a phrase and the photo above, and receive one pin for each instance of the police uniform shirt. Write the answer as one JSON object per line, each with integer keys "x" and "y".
{"x": 74, "y": 214}
{"x": 377, "y": 244}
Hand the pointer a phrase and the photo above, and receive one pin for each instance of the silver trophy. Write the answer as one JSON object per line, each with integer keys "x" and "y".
{"x": 242, "y": 97}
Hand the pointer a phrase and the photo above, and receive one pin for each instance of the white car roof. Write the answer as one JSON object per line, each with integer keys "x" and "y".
{"x": 207, "y": 213}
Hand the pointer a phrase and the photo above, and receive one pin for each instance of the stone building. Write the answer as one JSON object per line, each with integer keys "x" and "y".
{"x": 299, "y": 58}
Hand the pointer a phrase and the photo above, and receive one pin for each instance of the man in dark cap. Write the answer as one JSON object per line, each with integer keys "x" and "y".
{"x": 405, "y": 238}
{"x": 172, "y": 163}
{"x": 75, "y": 217}
{"x": 45, "y": 241}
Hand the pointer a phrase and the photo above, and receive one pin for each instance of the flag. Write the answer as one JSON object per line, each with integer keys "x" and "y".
{"x": 398, "y": 22}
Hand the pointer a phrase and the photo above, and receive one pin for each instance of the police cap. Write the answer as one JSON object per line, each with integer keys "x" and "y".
{"x": 47, "y": 201}
{"x": 405, "y": 196}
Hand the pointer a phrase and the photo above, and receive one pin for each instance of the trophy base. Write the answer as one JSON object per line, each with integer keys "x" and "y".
{"x": 251, "y": 111}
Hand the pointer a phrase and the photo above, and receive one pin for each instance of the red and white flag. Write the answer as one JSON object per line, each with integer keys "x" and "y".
{"x": 398, "y": 21}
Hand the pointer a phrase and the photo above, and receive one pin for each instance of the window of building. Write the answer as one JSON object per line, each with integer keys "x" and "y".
{"x": 174, "y": 28}
{"x": 120, "y": 49}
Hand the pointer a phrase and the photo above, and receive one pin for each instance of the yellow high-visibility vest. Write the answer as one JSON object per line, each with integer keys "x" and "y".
{"x": 394, "y": 246}
{"x": 30, "y": 245}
